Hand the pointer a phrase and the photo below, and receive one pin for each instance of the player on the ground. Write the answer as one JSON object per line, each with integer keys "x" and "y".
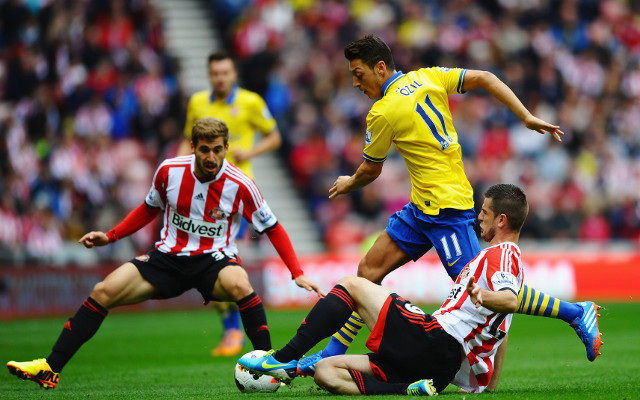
{"x": 245, "y": 113}
{"x": 412, "y": 112}
{"x": 203, "y": 197}
{"x": 457, "y": 344}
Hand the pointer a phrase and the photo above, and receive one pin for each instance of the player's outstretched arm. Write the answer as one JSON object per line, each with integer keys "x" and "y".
{"x": 282, "y": 243}
{"x": 93, "y": 239}
{"x": 475, "y": 79}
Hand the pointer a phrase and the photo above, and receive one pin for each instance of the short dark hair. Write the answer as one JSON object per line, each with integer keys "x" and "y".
{"x": 511, "y": 201}
{"x": 218, "y": 56}
{"x": 209, "y": 128}
{"x": 370, "y": 49}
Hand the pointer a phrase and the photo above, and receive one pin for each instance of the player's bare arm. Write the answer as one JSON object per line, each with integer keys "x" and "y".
{"x": 475, "y": 79}
{"x": 270, "y": 142}
{"x": 93, "y": 239}
{"x": 184, "y": 149}
{"x": 502, "y": 301}
{"x": 367, "y": 172}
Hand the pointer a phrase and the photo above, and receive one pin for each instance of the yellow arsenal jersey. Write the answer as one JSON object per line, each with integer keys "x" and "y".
{"x": 413, "y": 114}
{"x": 244, "y": 112}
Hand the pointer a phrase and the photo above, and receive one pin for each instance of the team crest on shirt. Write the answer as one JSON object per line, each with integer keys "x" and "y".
{"x": 234, "y": 111}
{"x": 367, "y": 137}
{"x": 464, "y": 273}
{"x": 217, "y": 213}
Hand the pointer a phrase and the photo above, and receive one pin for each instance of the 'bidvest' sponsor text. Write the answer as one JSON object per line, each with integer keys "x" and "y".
{"x": 195, "y": 227}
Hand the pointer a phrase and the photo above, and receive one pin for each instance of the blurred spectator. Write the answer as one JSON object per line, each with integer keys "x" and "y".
{"x": 82, "y": 82}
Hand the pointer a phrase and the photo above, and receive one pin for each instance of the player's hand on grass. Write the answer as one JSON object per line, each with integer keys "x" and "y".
{"x": 475, "y": 293}
{"x": 306, "y": 283}
{"x": 93, "y": 239}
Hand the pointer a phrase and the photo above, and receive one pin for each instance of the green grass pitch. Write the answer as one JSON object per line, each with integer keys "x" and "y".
{"x": 165, "y": 355}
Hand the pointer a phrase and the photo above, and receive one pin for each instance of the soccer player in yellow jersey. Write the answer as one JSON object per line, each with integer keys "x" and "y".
{"x": 246, "y": 114}
{"x": 411, "y": 111}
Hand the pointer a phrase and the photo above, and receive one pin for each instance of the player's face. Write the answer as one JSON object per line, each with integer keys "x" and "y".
{"x": 487, "y": 220}
{"x": 223, "y": 76}
{"x": 366, "y": 79}
{"x": 209, "y": 157}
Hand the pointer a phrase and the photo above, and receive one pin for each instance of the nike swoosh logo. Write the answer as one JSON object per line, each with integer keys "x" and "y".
{"x": 452, "y": 263}
{"x": 266, "y": 365}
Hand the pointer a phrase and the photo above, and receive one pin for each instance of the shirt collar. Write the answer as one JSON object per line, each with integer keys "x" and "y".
{"x": 390, "y": 82}
{"x": 230, "y": 99}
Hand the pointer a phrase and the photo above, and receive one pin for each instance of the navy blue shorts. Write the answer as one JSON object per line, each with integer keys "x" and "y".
{"x": 173, "y": 275}
{"x": 451, "y": 233}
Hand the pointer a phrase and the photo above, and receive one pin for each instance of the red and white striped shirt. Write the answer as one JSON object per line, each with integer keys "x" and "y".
{"x": 480, "y": 330}
{"x": 204, "y": 217}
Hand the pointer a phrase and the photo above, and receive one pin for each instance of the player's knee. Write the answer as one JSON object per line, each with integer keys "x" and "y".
{"x": 349, "y": 282}
{"x": 323, "y": 376}
{"x": 238, "y": 288}
{"x": 354, "y": 285}
{"x": 102, "y": 294}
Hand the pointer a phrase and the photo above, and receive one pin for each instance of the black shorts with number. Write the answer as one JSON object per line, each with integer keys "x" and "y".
{"x": 173, "y": 275}
{"x": 410, "y": 345}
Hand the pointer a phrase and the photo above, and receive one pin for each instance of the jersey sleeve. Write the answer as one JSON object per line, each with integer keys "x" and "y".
{"x": 157, "y": 195}
{"x": 260, "y": 117}
{"x": 452, "y": 78}
{"x": 503, "y": 269}
{"x": 256, "y": 210}
{"x": 378, "y": 138}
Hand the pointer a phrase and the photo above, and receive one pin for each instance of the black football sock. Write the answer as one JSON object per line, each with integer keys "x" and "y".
{"x": 325, "y": 318}
{"x": 369, "y": 385}
{"x": 254, "y": 321}
{"x": 78, "y": 329}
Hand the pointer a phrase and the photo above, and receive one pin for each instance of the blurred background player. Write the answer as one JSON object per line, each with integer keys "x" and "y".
{"x": 245, "y": 113}
{"x": 412, "y": 112}
{"x": 200, "y": 195}
{"x": 457, "y": 344}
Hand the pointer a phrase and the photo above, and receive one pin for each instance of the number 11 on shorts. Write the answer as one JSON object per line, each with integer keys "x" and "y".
{"x": 456, "y": 246}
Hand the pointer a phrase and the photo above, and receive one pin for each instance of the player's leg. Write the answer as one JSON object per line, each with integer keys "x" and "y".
{"x": 334, "y": 373}
{"x": 326, "y": 316}
{"x": 353, "y": 375}
{"x": 232, "y": 284}
{"x": 582, "y": 316}
{"x": 404, "y": 239}
{"x": 232, "y": 335}
{"x": 347, "y": 374}
{"x": 123, "y": 286}
{"x": 383, "y": 257}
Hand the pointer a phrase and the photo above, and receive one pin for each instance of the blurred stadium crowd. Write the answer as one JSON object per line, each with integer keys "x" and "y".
{"x": 91, "y": 102}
